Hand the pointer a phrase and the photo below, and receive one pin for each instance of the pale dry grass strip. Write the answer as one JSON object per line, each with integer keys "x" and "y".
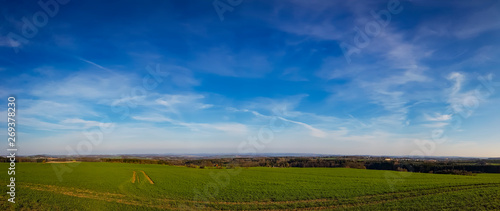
{"x": 147, "y": 177}
{"x": 133, "y": 177}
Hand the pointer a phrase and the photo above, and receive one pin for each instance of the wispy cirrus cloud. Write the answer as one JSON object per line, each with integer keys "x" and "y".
{"x": 86, "y": 123}
{"x": 85, "y": 85}
{"x": 438, "y": 117}
{"x": 236, "y": 128}
{"x": 173, "y": 103}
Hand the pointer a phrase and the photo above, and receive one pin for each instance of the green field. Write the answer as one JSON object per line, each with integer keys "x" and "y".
{"x": 112, "y": 186}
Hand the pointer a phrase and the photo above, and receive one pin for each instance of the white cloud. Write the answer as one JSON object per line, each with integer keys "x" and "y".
{"x": 152, "y": 118}
{"x": 314, "y": 131}
{"x": 438, "y": 117}
{"x": 44, "y": 125}
{"x": 436, "y": 124}
{"x": 458, "y": 78}
{"x": 391, "y": 94}
{"x": 93, "y": 64}
{"x": 55, "y": 109}
{"x": 175, "y": 103}
{"x": 130, "y": 100}
{"x": 235, "y": 128}
{"x": 462, "y": 102}
{"x": 279, "y": 107}
{"x": 86, "y": 85}
{"x": 84, "y": 124}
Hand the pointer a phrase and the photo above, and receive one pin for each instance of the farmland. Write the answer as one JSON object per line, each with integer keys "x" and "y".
{"x": 122, "y": 186}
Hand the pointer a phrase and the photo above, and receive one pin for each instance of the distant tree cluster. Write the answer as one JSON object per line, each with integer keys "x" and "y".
{"x": 136, "y": 160}
{"x": 434, "y": 167}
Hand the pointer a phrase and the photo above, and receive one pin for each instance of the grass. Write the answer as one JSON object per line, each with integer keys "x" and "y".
{"x": 108, "y": 186}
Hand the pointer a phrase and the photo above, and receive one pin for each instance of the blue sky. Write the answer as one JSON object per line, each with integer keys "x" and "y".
{"x": 114, "y": 77}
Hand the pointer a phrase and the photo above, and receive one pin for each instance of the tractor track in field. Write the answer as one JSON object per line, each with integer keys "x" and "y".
{"x": 399, "y": 196}
{"x": 390, "y": 194}
{"x": 342, "y": 203}
{"x": 133, "y": 177}
{"x": 102, "y": 196}
{"x": 147, "y": 177}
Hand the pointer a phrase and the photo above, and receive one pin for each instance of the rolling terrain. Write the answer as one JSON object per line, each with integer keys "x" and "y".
{"x": 120, "y": 186}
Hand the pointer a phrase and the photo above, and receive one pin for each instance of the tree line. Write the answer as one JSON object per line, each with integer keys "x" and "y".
{"x": 462, "y": 167}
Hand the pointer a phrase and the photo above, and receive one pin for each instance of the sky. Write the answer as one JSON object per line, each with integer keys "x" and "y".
{"x": 329, "y": 77}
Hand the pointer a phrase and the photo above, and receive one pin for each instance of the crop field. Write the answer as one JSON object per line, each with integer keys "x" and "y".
{"x": 120, "y": 186}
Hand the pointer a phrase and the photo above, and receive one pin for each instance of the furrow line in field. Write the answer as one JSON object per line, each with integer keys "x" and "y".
{"x": 147, "y": 177}
{"x": 401, "y": 196}
{"x": 336, "y": 199}
{"x": 133, "y": 177}
{"x": 322, "y": 203}
{"x": 108, "y": 197}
